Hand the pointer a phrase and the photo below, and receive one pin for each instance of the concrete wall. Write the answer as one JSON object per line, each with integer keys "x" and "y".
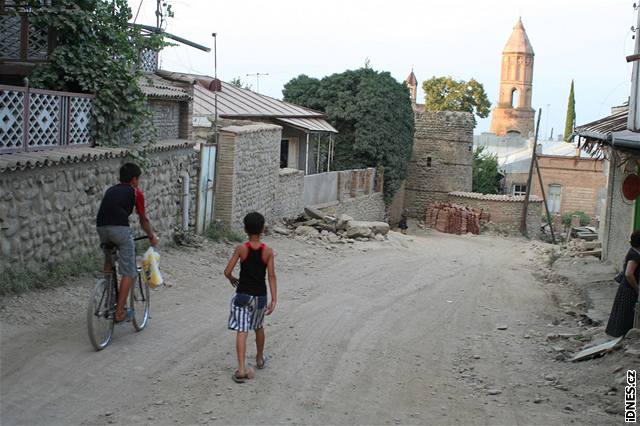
{"x": 289, "y": 201}
{"x": 582, "y": 180}
{"x": 441, "y": 161}
{"x": 48, "y": 213}
{"x": 617, "y": 223}
{"x": 364, "y": 207}
{"x": 504, "y": 211}
{"x": 320, "y": 188}
{"x": 247, "y": 174}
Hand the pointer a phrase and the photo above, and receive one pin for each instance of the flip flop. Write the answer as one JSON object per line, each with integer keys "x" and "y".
{"x": 265, "y": 358}
{"x": 238, "y": 379}
{"x": 128, "y": 317}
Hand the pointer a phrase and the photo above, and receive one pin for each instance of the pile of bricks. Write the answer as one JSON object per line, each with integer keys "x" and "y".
{"x": 454, "y": 219}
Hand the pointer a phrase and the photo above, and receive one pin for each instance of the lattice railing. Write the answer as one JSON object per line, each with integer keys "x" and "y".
{"x": 21, "y": 38}
{"x": 35, "y": 119}
{"x": 148, "y": 60}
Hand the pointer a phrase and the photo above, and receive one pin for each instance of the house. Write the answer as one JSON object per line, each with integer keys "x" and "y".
{"x": 573, "y": 180}
{"x": 307, "y": 138}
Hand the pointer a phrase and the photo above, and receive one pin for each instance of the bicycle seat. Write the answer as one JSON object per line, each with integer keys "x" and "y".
{"x": 109, "y": 246}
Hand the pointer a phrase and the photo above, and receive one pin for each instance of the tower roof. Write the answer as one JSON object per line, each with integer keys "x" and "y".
{"x": 411, "y": 80}
{"x": 518, "y": 42}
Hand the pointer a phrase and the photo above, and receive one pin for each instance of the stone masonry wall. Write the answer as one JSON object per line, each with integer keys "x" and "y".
{"x": 441, "y": 161}
{"x": 48, "y": 213}
{"x": 247, "y": 175}
{"x": 289, "y": 196}
{"x": 617, "y": 223}
{"x": 166, "y": 118}
{"x": 505, "y": 211}
{"x": 364, "y": 207}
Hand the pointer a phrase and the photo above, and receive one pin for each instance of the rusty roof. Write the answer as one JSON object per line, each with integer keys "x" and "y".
{"x": 601, "y": 129}
{"x": 68, "y": 155}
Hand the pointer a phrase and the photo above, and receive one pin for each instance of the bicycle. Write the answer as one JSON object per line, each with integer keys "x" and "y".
{"x": 101, "y": 312}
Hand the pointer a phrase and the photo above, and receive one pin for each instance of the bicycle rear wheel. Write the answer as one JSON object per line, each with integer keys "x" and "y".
{"x": 140, "y": 303}
{"x": 100, "y": 315}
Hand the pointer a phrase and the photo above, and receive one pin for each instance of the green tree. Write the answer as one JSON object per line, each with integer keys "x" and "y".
{"x": 486, "y": 177}
{"x": 447, "y": 94}
{"x": 97, "y": 51}
{"x": 236, "y": 81}
{"x": 570, "y": 121}
{"x": 372, "y": 113}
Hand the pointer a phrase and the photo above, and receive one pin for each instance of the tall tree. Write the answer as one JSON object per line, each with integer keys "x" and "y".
{"x": 448, "y": 94}
{"x": 570, "y": 121}
{"x": 372, "y": 113}
{"x": 486, "y": 177}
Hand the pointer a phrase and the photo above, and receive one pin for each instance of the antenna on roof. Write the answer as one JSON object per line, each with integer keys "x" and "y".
{"x": 257, "y": 76}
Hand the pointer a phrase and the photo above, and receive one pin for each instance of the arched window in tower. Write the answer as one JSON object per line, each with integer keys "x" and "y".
{"x": 515, "y": 98}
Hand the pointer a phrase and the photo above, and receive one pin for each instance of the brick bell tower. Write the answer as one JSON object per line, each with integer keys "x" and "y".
{"x": 513, "y": 112}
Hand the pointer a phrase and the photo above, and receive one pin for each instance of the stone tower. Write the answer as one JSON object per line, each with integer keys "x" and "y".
{"x": 412, "y": 84}
{"x": 513, "y": 112}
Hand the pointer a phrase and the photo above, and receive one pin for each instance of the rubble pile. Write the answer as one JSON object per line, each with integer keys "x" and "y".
{"x": 454, "y": 219}
{"x": 314, "y": 224}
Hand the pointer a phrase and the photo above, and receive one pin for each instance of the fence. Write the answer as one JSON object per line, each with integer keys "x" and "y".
{"x": 331, "y": 187}
{"x": 36, "y": 119}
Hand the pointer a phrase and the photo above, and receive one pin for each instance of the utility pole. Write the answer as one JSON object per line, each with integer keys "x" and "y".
{"x": 215, "y": 84}
{"x": 633, "y": 120}
{"x": 257, "y": 76}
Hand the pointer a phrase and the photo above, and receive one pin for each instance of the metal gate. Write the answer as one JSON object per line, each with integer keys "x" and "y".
{"x": 206, "y": 185}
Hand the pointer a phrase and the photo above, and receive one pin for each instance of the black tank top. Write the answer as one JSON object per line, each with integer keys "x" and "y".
{"x": 117, "y": 205}
{"x": 253, "y": 271}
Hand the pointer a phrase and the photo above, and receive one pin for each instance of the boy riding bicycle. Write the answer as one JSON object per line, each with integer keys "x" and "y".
{"x": 113, "y": 227}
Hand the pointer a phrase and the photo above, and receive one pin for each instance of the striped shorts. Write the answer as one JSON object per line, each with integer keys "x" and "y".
{"x": 247, "y": 312}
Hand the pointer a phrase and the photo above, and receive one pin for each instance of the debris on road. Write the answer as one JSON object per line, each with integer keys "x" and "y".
{"x": 453, "y": 219}
{"x": 597, "y": 350}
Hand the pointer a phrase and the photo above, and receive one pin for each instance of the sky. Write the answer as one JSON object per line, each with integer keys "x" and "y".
{"x": 584, "y": 40}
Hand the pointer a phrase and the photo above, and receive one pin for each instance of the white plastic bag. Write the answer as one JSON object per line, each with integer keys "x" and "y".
{"x": 151, "y": 268}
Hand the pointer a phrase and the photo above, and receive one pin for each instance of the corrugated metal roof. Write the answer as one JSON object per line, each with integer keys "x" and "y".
{"x": 66, "y": 155}
{"x": 157, "y": 87}
{"x": 602, "y": 129}
{"x": 311, "y": 124}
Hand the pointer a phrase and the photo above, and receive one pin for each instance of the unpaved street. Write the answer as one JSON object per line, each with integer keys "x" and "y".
{"x": 405, "y": 332}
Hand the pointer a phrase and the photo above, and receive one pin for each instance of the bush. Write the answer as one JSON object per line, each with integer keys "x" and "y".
{"x": 20, "y": 280}
{"x": 584, "y": 219}
{"x": 219, "y": 232}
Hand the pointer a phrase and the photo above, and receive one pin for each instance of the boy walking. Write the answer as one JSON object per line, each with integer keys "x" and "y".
{"x": 249, "y": 304}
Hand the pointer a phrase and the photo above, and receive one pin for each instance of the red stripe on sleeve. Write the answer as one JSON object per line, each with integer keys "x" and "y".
{"x": 139, "y": 203}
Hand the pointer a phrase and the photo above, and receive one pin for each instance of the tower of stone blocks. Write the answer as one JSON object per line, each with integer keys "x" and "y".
{"x": 513, "y": 112}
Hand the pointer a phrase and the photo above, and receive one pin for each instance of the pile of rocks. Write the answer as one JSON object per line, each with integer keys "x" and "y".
{"x": 314, "y": 224}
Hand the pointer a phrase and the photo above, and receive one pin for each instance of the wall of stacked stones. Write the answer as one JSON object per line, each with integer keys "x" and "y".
{"x": 364, "y": 207}
{"x": 505, "y": 216}
{"x": 289, "y": 195}
{"x": 617, "y": 224}
{"x": 48, "y": 214}
{"x": 257, "y": 167}
{"x": 441, "y": 161}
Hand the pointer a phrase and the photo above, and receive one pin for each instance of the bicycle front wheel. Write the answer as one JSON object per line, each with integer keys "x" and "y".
{"x": 100, "y": 315}
{"x": 140, "y": 304}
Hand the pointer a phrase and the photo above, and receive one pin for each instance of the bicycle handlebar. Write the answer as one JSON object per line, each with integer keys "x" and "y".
{"x": 144, "y": 237}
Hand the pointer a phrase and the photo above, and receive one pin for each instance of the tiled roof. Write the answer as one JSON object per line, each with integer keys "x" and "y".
{"x": 52, "y": 157}
{"x": 157, "y": 87}
{"x": 518, "y": 42}
{"x": 495, "y": 197}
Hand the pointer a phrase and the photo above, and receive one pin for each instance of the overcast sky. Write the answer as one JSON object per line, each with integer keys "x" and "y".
{"x": 586, "y": 40}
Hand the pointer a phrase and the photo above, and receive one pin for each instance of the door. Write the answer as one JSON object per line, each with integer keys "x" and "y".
{"x": 206, "y": 185}
{"x": 294, "y": 152}
{"x": 555, "y": 194}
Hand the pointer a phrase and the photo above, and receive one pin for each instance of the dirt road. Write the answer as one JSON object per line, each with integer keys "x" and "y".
{"x": 410, "y": 331}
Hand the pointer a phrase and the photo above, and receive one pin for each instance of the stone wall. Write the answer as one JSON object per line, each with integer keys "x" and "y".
{"x": 247, "y": 173}
{"x": 505, "y": 212}
{"x": 166, "y": 118}
{"x": 441, "y": 161}
{"x": 48, "y": 207}
{"x": 364, "y": 207}
{"x": 289, "y": 203}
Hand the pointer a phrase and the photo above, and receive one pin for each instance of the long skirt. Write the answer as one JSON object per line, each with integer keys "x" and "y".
{"x": 622, "y": 312}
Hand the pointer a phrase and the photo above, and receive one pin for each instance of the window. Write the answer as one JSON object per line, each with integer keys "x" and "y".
{"x": 515, "y": 98}
{"x": 519, "y": 189}
{"x": 428, "y": 161}
{"x": 555, "y": 197}
{"x": 284, "y": 153}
